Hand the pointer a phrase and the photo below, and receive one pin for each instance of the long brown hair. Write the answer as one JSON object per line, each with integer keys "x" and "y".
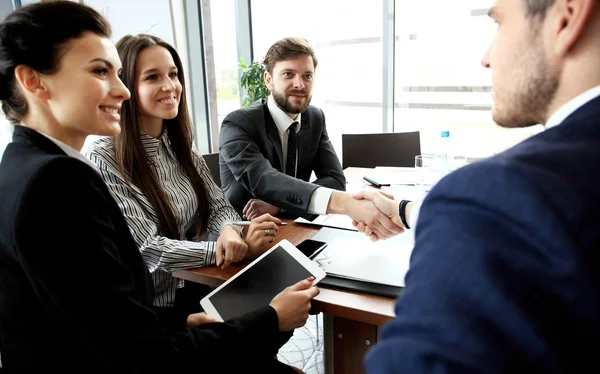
{"x": 131, "y": 156}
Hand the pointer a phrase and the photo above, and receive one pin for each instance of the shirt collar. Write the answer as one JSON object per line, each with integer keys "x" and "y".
{"x": 282, "y": 120}
{"x": 571, "y": 106}
{"x": 68, "y": 150}
{"x": 151, "y": 144}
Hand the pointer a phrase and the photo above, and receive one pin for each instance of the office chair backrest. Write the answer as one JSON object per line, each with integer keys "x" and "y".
{"x": 212, "y": 161}
{"x": 384, "y": 149}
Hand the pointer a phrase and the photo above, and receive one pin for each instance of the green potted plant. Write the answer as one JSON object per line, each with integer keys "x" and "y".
{"x": 253, "y": 82}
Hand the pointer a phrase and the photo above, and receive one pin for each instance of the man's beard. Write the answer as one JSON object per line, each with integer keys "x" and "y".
{"x": 528, "y": 103}
{"x": 283, "y": 104}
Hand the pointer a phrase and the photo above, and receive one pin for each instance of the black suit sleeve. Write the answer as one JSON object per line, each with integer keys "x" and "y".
{"x": 327, "y": 167}
{"x": 66, "y": 240}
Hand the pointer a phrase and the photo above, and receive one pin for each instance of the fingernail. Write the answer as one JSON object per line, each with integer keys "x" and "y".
{"x": 310, "y": 279}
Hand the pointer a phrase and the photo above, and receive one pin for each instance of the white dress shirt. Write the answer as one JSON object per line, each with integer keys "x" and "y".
{"x": 319, "y": 200}
{"x": 69, "y": 151}
{"x": 571, "y": 106}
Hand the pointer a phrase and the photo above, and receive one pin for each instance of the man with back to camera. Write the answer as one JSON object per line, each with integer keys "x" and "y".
{"x": 505, "y": 272}
{"x": 268, "y": 150}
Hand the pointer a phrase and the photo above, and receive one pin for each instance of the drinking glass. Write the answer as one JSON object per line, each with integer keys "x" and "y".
{"x": 426, "y": 169}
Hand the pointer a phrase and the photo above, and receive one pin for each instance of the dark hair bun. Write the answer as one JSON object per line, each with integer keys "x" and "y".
{"x": 34, "y": 35}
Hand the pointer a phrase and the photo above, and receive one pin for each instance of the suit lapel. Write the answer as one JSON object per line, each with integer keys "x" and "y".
{"x": 273, "y": 136}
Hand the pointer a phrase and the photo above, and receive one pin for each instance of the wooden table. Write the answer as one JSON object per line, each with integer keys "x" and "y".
{"x": 351, "y": 319}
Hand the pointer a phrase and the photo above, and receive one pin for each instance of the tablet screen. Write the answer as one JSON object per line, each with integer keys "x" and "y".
{"x": 257, "y": 286}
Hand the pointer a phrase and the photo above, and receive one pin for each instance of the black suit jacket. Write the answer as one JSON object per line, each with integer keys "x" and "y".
{"x": 75, "y": 293}
{"x": 505, "y": 273}
{"x": 251, "y": 159}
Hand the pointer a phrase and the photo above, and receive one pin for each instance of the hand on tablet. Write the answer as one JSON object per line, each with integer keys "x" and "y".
{"x": 262, "y": 231}
{"x": 293, "y": 304}
{"x": 198, "y": 319}
{"x": 230, "y": 247}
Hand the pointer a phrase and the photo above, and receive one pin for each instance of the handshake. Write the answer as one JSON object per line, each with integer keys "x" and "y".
{"x": 374, "y": 213}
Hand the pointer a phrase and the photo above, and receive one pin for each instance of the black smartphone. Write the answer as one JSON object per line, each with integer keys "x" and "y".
{"x": 311, "y": 248}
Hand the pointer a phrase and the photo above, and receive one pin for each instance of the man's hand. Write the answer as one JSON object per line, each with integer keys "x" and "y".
{"x": 230, "y": 247}
{"x": 293, "y": 303}
{"x": 381, "y": 226}
{"x": 262, "y": 230}
{"x": 384, "y": 202}
{"x": 198, "y": 319}
{"x": 256, "y": 207}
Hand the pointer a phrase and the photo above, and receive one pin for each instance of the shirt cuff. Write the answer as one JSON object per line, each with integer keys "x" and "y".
{"x": 319, "y": 200}
{"x": 414, "y": 214}
{"x": 211, "y": 254}
{"x": 237, "y": 227}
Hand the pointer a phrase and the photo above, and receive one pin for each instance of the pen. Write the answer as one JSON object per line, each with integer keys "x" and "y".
{"x": 247, "y": 223}
{"x": 378, "y": 185}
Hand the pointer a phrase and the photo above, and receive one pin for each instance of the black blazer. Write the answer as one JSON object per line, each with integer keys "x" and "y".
{"x": 75, "y": 293}
{"x": 251, "y": 159}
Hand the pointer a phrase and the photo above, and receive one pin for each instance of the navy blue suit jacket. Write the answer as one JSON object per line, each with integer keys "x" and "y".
{"x": 505, "y": 272}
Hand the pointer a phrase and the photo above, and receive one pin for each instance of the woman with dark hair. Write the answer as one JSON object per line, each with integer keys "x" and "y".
{"x": 75, "y": 293}
{"x": 163, "y": 187}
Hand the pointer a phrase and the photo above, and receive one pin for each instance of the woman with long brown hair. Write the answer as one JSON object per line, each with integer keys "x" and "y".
{"x": 163, "y": 187}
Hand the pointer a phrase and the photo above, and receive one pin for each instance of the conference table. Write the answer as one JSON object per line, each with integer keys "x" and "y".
{"x": 350, "y": 319}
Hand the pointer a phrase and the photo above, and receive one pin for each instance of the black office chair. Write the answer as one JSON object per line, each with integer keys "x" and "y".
{"x": 383, "y": 149}
{"x": 212, "y": 161}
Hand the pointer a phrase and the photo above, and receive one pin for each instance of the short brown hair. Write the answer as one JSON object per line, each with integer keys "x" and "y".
{"x": 538, "y": 7}
{"x": 285, "y": 49}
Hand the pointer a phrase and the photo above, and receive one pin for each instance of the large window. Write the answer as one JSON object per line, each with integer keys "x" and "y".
{"x": 222, "y": 63}
{"x": 440, "y": 82}
{"x": 346, "y": 36}
{"x": 135, "y": 17}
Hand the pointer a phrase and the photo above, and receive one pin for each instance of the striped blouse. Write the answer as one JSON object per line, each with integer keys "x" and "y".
{"x": 161, "y": 254}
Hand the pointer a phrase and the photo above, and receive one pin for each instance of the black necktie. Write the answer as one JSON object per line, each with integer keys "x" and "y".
{"x": 290, "y": 163}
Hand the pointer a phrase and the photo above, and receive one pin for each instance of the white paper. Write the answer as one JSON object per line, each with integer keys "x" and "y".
{"x": 383, "y": 262}
{"x": 338, "y": 221}
{"x": 395, "y": 175}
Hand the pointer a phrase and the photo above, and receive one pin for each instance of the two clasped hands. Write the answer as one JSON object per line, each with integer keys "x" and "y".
{"x": 374, "y": 213}
{"x": 384, "y": 221}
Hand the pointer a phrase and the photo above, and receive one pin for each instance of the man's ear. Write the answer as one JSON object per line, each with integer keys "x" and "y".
{"x": 31, "y": 82}
{"x": 268, "y": 80}
{"x": 570, "y": 19}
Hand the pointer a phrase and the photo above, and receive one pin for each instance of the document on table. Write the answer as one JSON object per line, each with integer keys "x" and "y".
{"x": 395, "y": 175}
{"x": 383, "y": 262}
{"x": 338, "y": 221}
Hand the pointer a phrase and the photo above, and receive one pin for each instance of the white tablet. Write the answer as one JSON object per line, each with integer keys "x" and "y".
{"x": 255, "y": 286}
